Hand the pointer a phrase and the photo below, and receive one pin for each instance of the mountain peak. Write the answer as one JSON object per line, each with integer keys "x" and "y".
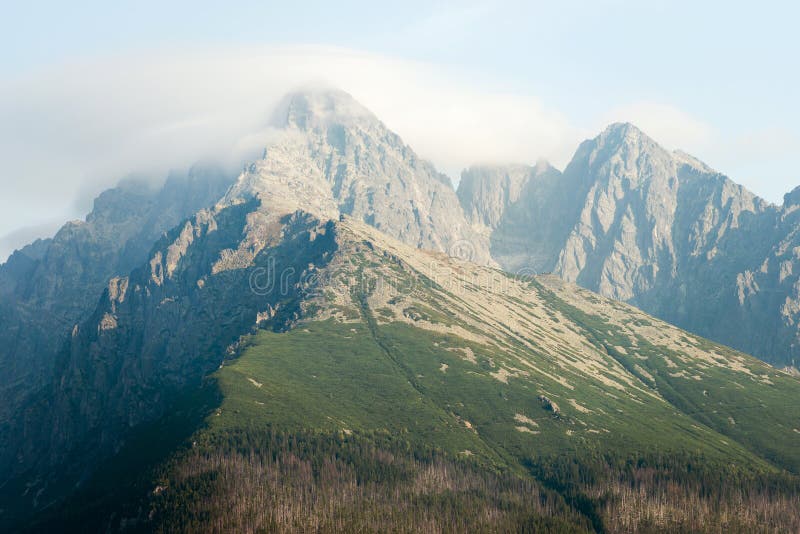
{"x": 621, "y": 138}
{"x": 310, "y": 108}
{"x": 623, "y": 133}
{"x": 792, "y": 198}
{"x": 542, "y": 166}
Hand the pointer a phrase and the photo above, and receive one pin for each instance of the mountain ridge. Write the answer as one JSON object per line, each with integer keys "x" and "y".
{"x": 497, "y": 364}
{"x": 659, "y": 229}
{"x": 341, "y": 245}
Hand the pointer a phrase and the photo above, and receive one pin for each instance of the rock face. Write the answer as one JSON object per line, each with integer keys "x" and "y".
{"x": 658, "y": 229}
{"x": 168, "y": 324}
{"x": 498, "y": 201}
{"x": 48, "y": 287}
{"x": 770, "y": 291}
{"x": 334, "y": 156}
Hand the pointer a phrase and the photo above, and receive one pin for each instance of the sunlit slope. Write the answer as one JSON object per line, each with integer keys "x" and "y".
{"x": 473, "y": 361}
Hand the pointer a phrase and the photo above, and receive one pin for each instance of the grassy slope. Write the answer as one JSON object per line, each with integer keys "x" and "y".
{"x": 755, "y": 406}
{"x": 400, "y": 390}
{"x": 337, "y": 377}
{"x": 394, "y": 383}
{"x": 330, "y": 376}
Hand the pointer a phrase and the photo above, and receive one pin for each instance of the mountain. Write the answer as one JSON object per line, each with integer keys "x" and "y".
{"x": 325, "y": 343}
{"x": 329, "y": 155}
{"x": 336, "y": 335}
{"x": 51, "y": 285}
{"x": 654, "y": 228}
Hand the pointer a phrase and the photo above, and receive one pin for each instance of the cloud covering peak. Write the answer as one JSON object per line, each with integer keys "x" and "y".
{"x": 70, "y": 131}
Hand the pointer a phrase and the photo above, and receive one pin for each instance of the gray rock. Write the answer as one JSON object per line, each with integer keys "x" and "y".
{"x": 658, "y": 229}
{"x": 334, "y": 156}
{"x": 50, "y": 286}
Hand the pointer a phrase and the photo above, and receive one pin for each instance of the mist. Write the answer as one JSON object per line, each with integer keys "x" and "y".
{"x": 67, "y": 132}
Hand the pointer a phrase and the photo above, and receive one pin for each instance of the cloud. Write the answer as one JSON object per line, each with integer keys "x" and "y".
{"x": 81, "y": 127}
{"x": 70, "y": 131}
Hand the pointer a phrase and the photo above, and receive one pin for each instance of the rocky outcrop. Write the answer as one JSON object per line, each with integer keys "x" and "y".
{"x": 49, "y": 286}
{"x": 549, "y": 405}
{"x": 500, "y": 201}
{"x": 334, "y": 156}
{"x": 658, "y": 229}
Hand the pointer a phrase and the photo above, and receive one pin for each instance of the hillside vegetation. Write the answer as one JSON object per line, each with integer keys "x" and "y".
{"x": 442, "y": 396}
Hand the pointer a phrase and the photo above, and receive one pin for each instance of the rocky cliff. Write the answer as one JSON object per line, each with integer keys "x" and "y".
{"x": 659, "y": 229}
{"x": 48, "y": 287}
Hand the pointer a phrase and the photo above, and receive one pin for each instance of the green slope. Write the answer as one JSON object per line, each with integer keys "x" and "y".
{"x": 535, "y": 380}
{"x": 334, "y": 377}
{"x": 399, "y": 388}
{"x": 441, "y": 396}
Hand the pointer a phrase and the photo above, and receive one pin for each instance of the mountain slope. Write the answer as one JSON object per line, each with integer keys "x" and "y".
{"x": 382, "y": 337}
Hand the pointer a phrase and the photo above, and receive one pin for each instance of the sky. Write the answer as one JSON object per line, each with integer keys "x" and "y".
{"x": 92, "y": 92}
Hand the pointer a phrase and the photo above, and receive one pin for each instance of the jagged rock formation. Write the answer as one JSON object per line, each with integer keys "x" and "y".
{"x": 334, "y": 156}
{"x": 500, "y": 201}
{"x": 658, "y": 229}
{"x": 50, "y": 285}
{"x": 768, "y": 292}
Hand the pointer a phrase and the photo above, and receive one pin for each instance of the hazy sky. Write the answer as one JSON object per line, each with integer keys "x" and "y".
{"x": 93, "y": 91}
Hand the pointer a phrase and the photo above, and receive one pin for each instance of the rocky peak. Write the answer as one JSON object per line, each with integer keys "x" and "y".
{"x": 623, "y": 130}
{"x": 623, "y": 148}
{"x": 318, "y": 108}
{"x": 621, "y": 134}
{"x": 792, "y": 198}
{"x": 334, "y": 157}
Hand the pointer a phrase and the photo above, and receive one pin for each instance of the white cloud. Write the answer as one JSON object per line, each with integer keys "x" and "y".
{"x": 81, "y": 127}
{"x": 68, "y": 132}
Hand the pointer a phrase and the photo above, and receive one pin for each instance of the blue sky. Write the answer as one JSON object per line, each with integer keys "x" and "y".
{"x": 515, "y": 80}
